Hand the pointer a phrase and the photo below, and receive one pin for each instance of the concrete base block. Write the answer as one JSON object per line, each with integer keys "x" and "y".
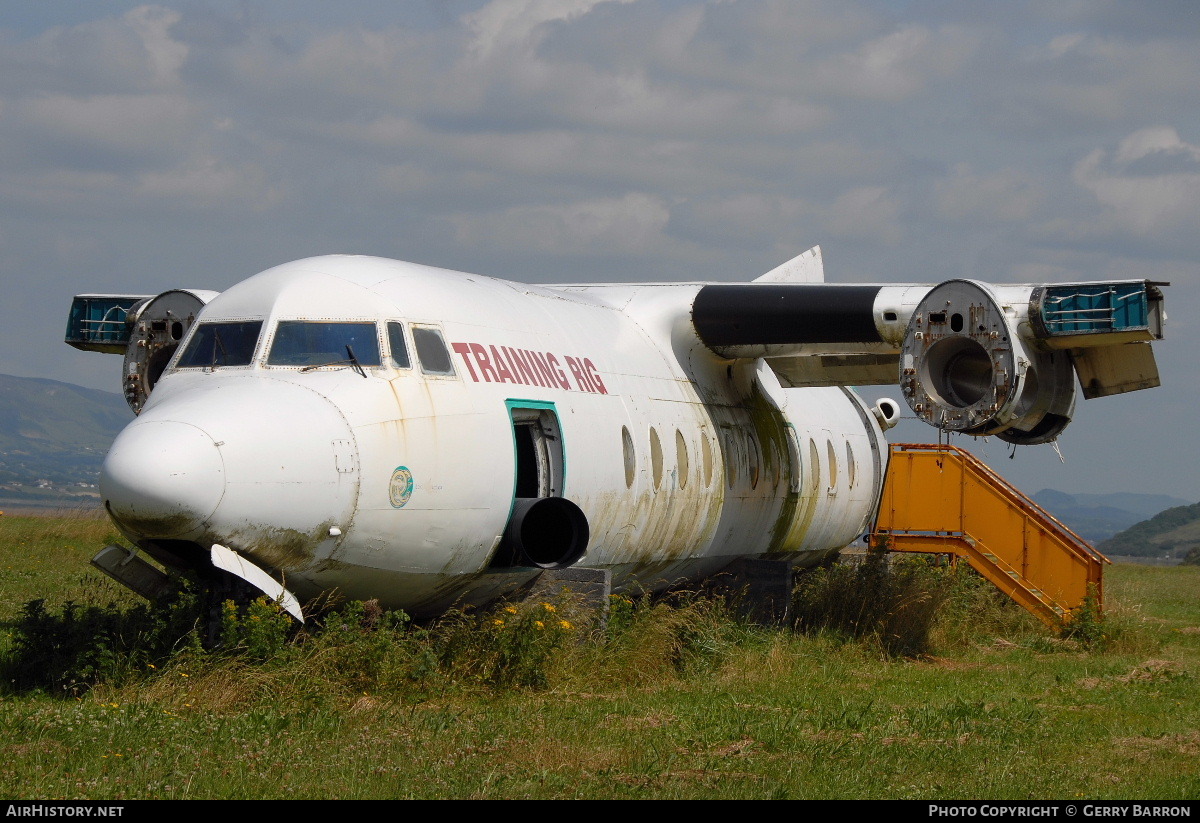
{"x": 593, "y": 586}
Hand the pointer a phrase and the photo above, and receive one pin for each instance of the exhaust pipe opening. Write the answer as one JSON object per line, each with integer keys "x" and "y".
{"x": 886, "y": 412}
{"x": 546, "y": 532}
{"x": 958, "y": 371}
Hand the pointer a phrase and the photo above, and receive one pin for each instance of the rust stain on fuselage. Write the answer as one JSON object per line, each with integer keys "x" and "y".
{"x": 284, "y": 550}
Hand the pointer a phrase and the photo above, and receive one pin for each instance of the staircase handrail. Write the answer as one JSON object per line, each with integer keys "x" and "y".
{"x": 973, "y": 463}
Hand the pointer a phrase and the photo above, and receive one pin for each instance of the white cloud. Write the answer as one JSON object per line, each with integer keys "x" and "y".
{"x": 865, "y": 213}
{"x": 1006, "y": 196}
{"x": 124, "y": 125}
{"x": 1150, "y": 184}
{"x": 899, "y": 64}
{"x": 164, "y": 54}
{"x": 747, "y": 219}
{"x": 508, "y": 25}
{"x": 135, "y": 52}
{"x": 609, "y": 225}
{"x": 1102, "y": 78}
{"x": 210, "y": 181}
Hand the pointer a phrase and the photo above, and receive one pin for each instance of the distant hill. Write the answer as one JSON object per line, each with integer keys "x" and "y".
{"x": 54, "y": 435}
{"x": 1098, "y": 517}
{"x": 53, "y": 438}
{"x": 1174, "y": 532}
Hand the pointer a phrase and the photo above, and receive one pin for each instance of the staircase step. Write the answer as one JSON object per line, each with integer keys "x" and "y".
{"x": 1006, "y": 556}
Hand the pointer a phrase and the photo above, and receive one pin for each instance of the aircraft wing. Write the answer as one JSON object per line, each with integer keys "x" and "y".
{"x": 968, "y": 356}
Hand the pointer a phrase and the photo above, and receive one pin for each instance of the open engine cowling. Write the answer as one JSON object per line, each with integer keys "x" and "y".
{"x": 147, "y": 329}
{"x": 970, "y": 357}
{"x": 966, "y": 366}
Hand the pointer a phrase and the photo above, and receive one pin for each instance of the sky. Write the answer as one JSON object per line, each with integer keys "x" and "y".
{"x": 191, "y": 144}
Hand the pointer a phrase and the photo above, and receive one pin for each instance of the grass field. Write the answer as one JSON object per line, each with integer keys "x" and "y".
{"x": 677, "y": 701}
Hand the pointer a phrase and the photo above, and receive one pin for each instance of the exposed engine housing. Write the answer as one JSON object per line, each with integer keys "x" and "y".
{"x": 971, "y": 358}
{"x": 147, "y": 329}
{"x": 546, "y": 532}
{"x": 156, "y": 326}
{"x": 965, "y": 366}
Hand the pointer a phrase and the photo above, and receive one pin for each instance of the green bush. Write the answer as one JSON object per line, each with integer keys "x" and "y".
{"x": 360, "y": 648}
{"x": 1086, "y": 625}
{"x": 74, "y": 650}
{"x": 893, "y": 602}
{"x": 83, "y": 646}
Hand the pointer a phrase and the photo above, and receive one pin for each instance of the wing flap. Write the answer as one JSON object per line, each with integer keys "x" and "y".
{"x": 836, "y": 370}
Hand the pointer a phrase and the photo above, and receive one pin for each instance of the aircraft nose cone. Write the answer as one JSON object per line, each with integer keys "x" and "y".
{"x": 162, "y": 478}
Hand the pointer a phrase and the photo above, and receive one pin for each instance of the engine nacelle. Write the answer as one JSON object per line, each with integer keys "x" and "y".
{"x": 146, "y": 329}
{"x": 973, "y": 358}
{"x": 156, "y": 326}
{"x": 971, "y": 364}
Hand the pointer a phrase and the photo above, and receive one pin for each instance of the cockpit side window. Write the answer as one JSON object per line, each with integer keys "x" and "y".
{"x": 221, "y": 344}
{"x": 432, "y": 353}
{"x": 314, "y": 344}
{"x": 400, "y": 358}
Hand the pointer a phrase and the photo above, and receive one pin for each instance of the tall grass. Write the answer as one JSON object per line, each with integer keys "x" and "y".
{"x": 43, "y": 556}
{"x": 892, "y": 603}
{"x": 360, "y": 648}
{"x": 893, "y": 607}
{"x": 673, "y": 697}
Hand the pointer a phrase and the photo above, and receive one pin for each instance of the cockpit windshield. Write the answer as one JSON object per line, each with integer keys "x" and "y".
{"x": 313, "y": 344}
{"x": 221, "y": 344}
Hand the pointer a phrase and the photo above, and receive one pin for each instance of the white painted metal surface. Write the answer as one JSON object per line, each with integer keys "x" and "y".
{"x": 387, "y": 477}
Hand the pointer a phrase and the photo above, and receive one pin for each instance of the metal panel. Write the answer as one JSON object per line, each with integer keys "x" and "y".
{"x": 1094, "y": 307}
{"x": 1115, "y": 369}
{"x": 97, "y": 321}
{"x": 732, "y": 315}
{"x": 942, "y": 499}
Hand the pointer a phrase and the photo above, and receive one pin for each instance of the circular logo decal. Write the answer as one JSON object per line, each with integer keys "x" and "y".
{"x": 401, "y": 487}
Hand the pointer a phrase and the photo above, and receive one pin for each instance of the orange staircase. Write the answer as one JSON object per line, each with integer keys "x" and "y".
{"x": 942, "y": 499}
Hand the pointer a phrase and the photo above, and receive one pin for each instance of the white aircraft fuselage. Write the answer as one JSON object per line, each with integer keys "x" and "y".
{"x": 400, "y": 485}
{"x": 387, "y": 429}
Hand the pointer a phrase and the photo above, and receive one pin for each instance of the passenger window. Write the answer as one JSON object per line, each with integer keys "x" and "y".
{"x": 315, "y": 344}
{"x": 814, "y": 462}
{"x": 221, "y": 344}
{"x": 630, "y": 457}
{"x": 681, "y": 458}
{"x": 755, "y": 459}
{"x": 656, "y": 458}
{"x": 833, "y": 471}
{"x": 398, "y": 346}
{"x": 432, "y": 353}
{"x": 797, "y": 475}
{"x": 707, "y": 457}
{"x": 732, "y": 458}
